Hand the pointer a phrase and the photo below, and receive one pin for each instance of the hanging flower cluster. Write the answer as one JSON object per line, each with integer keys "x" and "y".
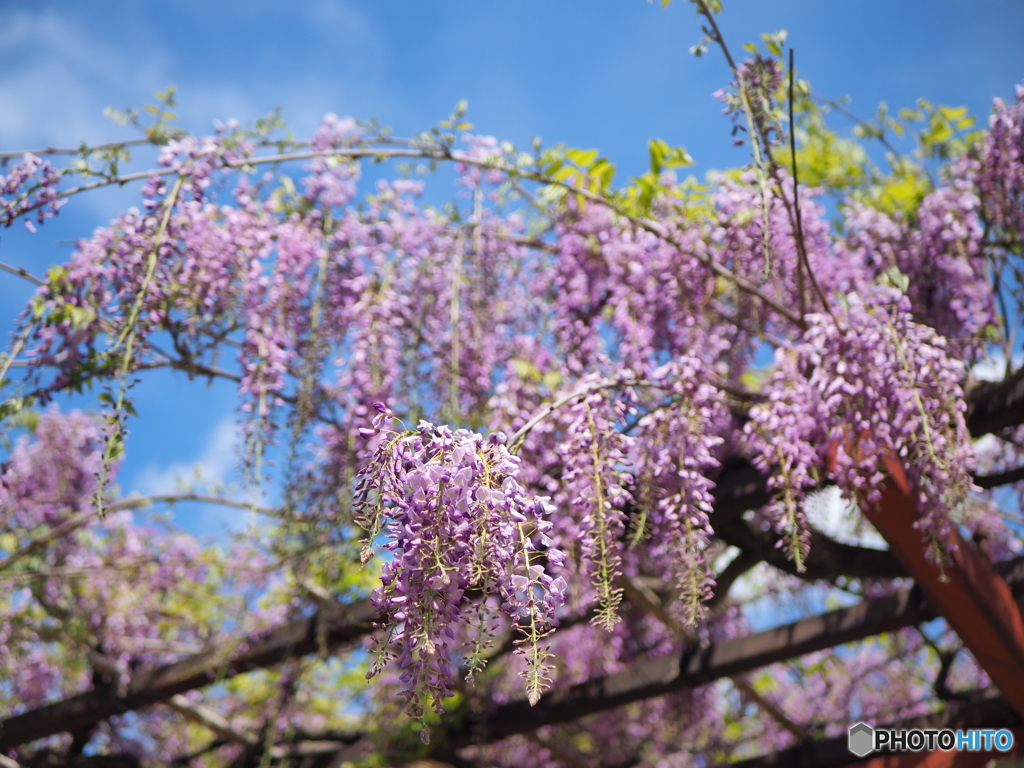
{"x": 1000, "y": 177}
{"x": 753, "y": 95}
{"x": 673, "y": 455}
{"x": 137, "y": 594}
{"x": 939, "y": 254}
{"x": 594, "y": 451}
{"x": 456, "y": 520}
{"x": 195, "y": 159}
{"x": 30, "y": 185}
{"x": 623, "y": 351}
{"x": 875, "y": 386}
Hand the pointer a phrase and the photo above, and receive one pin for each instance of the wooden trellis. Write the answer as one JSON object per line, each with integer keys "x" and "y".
{"x": 979, "y": 601}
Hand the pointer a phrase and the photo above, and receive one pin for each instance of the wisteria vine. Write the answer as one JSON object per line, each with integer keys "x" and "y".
{"x": 634, "y": 343}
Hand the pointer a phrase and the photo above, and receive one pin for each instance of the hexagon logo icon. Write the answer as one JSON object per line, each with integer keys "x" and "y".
{"x": 861, "y": 739}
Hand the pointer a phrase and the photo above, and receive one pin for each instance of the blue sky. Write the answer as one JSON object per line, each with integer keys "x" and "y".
{"x": 601, "y": 73}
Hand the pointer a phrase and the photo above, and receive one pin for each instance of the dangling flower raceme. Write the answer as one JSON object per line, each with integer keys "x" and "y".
{"x": 456, "y": 520}
{"x": 753, "y": 91}
{"x": 876, "y": 386}
{"x": 1000, "y": 176}
{"x": 594, "y": 451}
{"x": 938, "y": 253}
{"x": 31, "y": 185}
{"x": 673, "y": 454}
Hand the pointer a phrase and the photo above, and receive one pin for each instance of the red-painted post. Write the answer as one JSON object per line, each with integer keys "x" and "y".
{"x": 968, "y": 592}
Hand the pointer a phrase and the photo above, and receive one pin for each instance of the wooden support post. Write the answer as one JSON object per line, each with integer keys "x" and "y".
{"x": 968, "y": 592}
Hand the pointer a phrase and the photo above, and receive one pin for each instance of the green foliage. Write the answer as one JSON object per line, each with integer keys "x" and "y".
{"x": 582, "y": 168}
{"x": 946, "y": 131}
{"x": 899, "y": 192}
{"x": 456, "y": 122}
{"x": 664, "y": 156}
{"x": 161, "y": 129}
{"x": 824, "y": 159}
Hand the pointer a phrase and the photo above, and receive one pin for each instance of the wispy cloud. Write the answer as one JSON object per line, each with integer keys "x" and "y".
{"x": 213, "y": 466}
{"x": 212, "y": 471}
{"x": 57, "y": 79}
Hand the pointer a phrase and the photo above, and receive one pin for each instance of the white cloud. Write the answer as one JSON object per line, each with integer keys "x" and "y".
{"x": 56, "y": 81}
{"x": 212, "y": 470}
{"x": 58, "y": 72}
{"x": 213, "y": 466}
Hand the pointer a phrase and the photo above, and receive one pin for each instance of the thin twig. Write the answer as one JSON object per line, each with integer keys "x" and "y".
{"x": 214, "y": 721}
{"x": 553, "y": 406}
{"x": 85, "y": 150}
{"x": 706, "y": 12}
{"x": 20, "y": 272}
{"x": 758, "y": 128}
{"x": 800, "y": 243}
{"x": 16, "y": 348}
{"x": 874, "y": 133}
{"x": 75, "y": 522}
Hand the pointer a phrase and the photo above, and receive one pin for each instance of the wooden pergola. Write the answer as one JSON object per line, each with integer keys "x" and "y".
{"x": 980, "y": 600}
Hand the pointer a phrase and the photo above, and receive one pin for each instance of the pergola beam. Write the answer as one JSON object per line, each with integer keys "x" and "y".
{"x": 332, "y": 627}
{"x": 990, "y": 409}
{"x": 966, "y": 591}
{"x": 651, "y": 677}
{"x": 695, "y": 667}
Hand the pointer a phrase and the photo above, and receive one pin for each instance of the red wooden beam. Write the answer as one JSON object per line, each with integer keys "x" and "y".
{"x": 968, "y": 592}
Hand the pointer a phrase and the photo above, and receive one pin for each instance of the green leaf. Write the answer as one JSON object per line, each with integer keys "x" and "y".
{"x": 775, "y": 42}
{"x": 15, "y": 406}
{"x": 603, "y": 171}
{"x": 894, "y": 278}
{"x": 658, "y": 149}
{"x": 744, "y": 216}
{"x": 526, "y": 370}
{"x": 582, "y": 157}
{"x": 678, "y": 157}
{"x": 552, "y": 194}
{"x": 552, "y": 379}
{"x": 166, "y": 96}
{"x": 565, "y": 173}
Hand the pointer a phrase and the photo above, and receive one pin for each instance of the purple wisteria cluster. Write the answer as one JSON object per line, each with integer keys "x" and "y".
{"x": 854, "y": 393}
{"x": 130, "y": 591}
{"x": 456, "y": 520}
{"x": 753, "y": 96}
{"x": 676, "y": 450}
{"x": 940, "y": 254}
{"x": 31, "y": 185}
{"x": 625, "y": 351}
{"x": 594, "y": 451}
{"x": 1000, "y": 175}
{"x": 194, "y": 159}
